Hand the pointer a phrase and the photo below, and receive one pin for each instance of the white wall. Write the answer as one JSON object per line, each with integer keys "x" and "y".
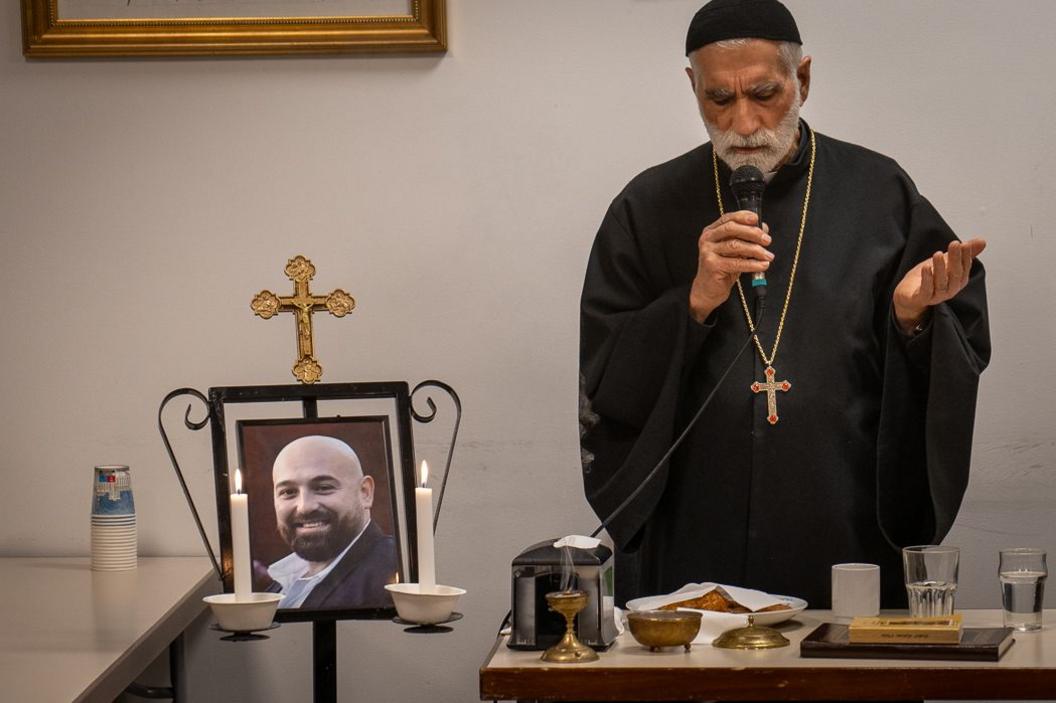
{"x": 142, "y": 203}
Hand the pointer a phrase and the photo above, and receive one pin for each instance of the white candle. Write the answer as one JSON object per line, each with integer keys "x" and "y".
{"x": 423, "y": 502}
{"x": 240, "y": 540}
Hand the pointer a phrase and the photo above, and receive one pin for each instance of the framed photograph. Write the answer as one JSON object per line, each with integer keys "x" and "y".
{"x": 329, "y": 475}
{"x": 75, "y": 28}
{"x": 322, "y": 510}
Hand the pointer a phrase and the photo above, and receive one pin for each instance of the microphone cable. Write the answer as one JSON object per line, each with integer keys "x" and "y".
{"x": 760, "y": 310}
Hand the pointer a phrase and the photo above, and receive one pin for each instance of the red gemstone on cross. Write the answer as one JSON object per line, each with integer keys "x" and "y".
{"x": 755, "y": 387}
{"x": 772, "y": 419}
{"x": 785, "y": 386}
{"x": 769, "y": 373}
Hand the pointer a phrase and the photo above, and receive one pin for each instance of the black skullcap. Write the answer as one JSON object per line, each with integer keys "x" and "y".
{"x": 741, "y": 19}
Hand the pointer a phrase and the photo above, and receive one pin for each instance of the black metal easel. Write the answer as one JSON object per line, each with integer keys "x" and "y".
{"x": 324, "y": 629}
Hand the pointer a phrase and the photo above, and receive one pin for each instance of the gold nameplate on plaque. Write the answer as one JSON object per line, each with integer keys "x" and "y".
{"x": 302, "y": 303}
{"x": 945, "y": 629}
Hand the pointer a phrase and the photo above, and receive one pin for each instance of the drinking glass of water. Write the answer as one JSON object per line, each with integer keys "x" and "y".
{"x": 931, "y": 579}
{"x": 1022, "y": 573}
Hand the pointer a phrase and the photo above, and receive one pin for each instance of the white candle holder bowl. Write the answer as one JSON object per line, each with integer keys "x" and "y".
{"x": 250, "y": 614}
{"x": 428, "y": 607}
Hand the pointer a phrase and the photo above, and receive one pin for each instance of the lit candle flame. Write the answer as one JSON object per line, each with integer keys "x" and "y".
{"x": 238, "y": 480}
{"x": 424, "y": 473}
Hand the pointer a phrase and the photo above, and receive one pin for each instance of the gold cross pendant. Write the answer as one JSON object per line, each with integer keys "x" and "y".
{"x": 771, "y": 387}
{"x": 302, "y": 303}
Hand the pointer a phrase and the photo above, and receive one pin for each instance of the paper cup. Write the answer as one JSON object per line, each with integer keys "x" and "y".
{"x": 855, "y": 591}
{"x": 113, "y": 519}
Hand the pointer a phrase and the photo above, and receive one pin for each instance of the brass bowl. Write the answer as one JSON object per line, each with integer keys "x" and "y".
{"x": 663, "y": 628}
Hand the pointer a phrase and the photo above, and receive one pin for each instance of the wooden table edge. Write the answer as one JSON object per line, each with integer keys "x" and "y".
{"x": 785, "y": 683}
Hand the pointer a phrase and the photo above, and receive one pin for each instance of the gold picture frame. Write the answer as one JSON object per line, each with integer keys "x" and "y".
{"x": 46, "y": 34}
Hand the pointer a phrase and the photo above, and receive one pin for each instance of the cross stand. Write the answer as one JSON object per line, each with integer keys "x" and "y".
{"x": 324, "y": 629}
{"x": 324, "y": 660}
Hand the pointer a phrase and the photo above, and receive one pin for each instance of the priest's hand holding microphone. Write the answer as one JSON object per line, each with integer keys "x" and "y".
{"x": 729, "y": 246}
{"x": 733, "y": 244}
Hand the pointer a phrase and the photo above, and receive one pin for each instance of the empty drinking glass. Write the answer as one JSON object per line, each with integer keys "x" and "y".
{"x": 1022, "y": 572}
{"x": 931, "y": 579}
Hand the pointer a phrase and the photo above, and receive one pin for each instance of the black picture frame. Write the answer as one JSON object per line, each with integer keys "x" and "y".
{"x": 317, "y": 405}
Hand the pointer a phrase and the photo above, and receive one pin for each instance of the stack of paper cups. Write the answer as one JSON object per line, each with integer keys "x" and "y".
{"x": 113, "y": 520}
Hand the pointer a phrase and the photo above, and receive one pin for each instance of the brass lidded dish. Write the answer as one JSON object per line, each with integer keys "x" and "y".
{"x": 664, "y": 628}
{"x": 751, "y": 637}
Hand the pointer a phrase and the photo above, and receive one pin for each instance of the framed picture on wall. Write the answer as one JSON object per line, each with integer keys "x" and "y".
{"x": 323, "y": 515}
{"x": 73, "y": 28}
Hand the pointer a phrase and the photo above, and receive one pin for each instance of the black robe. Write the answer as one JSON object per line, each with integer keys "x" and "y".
{"x": 872, "y": 449}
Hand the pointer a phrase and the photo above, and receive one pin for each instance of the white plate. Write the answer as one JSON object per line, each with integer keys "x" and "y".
{"x": 796, "y": 606}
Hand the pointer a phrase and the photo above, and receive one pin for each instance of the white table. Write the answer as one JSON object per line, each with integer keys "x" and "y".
{"x": 68, "y": 633}
{"x": 629, "y": 672}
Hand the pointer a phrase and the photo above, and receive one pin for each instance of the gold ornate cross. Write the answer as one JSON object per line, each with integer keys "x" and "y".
{"x": 771, "y": 387}
{"x": 339, "y": 303}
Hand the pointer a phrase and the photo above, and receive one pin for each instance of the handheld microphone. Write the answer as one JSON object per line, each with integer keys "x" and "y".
{"x": 747, "y": 185}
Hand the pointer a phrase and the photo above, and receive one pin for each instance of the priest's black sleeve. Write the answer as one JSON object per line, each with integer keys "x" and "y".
{"x": 929, "y": 393}
{"x": 634, "y": 341}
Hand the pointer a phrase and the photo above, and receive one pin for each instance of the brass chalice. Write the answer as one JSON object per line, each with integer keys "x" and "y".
{"x": 569, "y": 650}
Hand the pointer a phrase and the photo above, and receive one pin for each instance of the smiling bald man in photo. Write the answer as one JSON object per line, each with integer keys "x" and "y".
{"x": 340, "y": 558}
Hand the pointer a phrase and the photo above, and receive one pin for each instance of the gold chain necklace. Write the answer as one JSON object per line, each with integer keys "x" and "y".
{"x": 770, "y": 386}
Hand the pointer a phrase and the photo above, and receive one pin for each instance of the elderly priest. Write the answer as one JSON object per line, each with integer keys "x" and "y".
{"x": 844, "y": 431}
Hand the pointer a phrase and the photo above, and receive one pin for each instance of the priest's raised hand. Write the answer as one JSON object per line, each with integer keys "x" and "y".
{"x": 729, "y": 246}
{"x": 933, "y": 281}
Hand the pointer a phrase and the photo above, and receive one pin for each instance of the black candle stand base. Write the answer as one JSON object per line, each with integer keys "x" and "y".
{"x": 432, "y": 629}
{"x": 243, "y": 635}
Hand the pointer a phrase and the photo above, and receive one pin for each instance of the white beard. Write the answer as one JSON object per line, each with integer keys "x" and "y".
{"x": 777, "y": 143}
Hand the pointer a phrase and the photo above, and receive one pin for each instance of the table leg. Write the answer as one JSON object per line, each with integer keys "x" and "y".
{"x": 324, "y": 653}
{"x": 177, "y": 691}
{"x": 178, "y": 669}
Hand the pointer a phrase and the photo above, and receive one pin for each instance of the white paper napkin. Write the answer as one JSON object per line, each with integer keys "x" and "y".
{"x": 577, "y": 542}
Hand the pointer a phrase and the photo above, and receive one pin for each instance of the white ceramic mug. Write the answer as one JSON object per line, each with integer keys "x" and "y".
{"x": 855, "y": 590}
